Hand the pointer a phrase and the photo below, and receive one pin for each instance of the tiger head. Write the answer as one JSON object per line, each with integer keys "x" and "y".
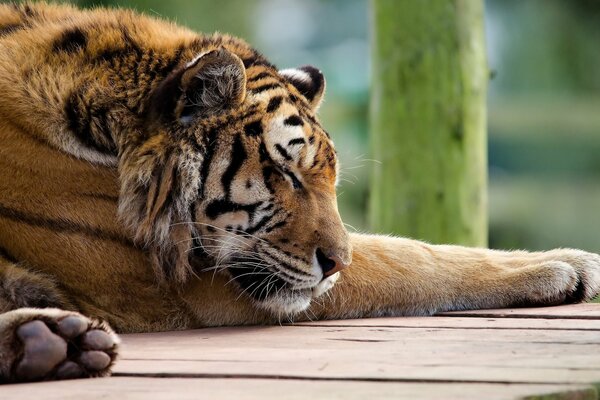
{"x": 239, "y": 177}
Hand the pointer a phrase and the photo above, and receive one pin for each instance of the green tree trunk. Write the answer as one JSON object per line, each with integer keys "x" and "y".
{"x": 428, "y": 120}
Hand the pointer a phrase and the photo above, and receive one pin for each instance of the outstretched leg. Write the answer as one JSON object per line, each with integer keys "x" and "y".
{"x": 47, "y": 343}
{"x": 396, "y": 276}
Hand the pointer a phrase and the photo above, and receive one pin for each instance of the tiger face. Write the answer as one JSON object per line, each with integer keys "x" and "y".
{"x": 243, "y": 180}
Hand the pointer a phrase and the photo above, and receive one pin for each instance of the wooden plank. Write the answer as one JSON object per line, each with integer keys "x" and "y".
{"x": 413, "y": 358}
{"x": 572, "y": 311}
{"x": 262, "y": 389}
{"x": 356, "y": 369}
{"x": 439, "y": 354}
{"x": 464, "y": 323}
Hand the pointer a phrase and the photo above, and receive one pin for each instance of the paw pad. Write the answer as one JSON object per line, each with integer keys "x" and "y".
{"x": 68, "y": 348}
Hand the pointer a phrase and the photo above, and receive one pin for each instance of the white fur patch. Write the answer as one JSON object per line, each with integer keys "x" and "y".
{"x": 288, "y": 302}
{"x": 296, "y": 74}
{"x": 325, "y": 285}
{"x": 195, "y": 59}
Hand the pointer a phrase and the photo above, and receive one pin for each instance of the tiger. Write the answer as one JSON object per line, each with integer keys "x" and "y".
{"x": 154, "y": 178}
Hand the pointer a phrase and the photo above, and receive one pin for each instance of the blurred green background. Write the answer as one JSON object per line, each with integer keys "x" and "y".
{"x": 544, "y": 101}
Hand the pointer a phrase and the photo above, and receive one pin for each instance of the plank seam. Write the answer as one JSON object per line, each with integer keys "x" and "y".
{"x": 443, "y": 327}
{"x": 321, "y": 378}
{"x": 520, "y": 316}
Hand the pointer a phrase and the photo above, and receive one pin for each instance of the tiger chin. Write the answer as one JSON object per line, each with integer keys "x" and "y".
{"x": 155, "y": 179}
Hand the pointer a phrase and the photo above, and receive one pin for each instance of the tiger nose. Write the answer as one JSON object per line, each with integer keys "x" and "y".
{"x": 330, "y": 263}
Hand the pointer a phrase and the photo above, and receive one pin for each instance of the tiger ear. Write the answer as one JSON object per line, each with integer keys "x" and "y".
{"x": 309, "y": 81}
{"x": 211, "y": 83}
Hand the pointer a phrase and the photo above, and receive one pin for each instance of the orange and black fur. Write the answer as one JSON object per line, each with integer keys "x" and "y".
{"x": 158, "y": 179}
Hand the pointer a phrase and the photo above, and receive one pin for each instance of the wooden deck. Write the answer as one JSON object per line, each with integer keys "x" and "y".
{"x": 490, "y": 354}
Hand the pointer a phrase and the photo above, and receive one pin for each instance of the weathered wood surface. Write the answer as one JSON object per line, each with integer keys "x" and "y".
{"x": 127, "y": 388}
{"x": 491, "y": 354}
{"x": 574, "y": 311}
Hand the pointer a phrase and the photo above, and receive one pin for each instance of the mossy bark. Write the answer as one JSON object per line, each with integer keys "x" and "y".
{"x": 428, "y": 120}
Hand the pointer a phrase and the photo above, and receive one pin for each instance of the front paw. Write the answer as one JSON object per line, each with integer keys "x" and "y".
{"x": 50, "y": 344}
{"x": 587, "y": 267}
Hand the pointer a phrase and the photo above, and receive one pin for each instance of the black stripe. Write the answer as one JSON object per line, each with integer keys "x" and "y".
{"x": 284, "y": 263}
{"x": 267, "y": 172}
{"x": 157, "y": 176}
{"x": 311, "y": 139}
{"x": 238, "y": 156}
{"x": 283, "y": 152}
{"x": 255, "y": 61}
{"x": 295, "y": 181}
{"x": 275, "y": 226}
{"x": 130, "y": 47}
{"x": 263, "y": 153}
{"x": 260, "y": 76}
{"x": 7, "y": 256}
{"x": 65, "y": 226}
{"x": 28, "y": 11}
{"x": 253, "y": 128}
{"x": 11, "y": 28}
{"x": 227, "y": 122}
{"x": 294, "y": 120}
{"x": 131, "y": 44}
{"x": 296, "y": 141}
{"x": 269, "y": 206}
{"x": 174, "y": 62}
{"x": 316, "y": 160}
{"x": 266, "y": 87}
{"x": 274, "y": 103}
{"x": 78, "y": 121}
{"x": 109, "y": 55}
{"x": 309, "y": 87}
{"x": 100, "y": 120}
{"x": 250, "y": 61}
{"x": 221, "y": 206}
{"x": 263, "y": 221}
{"x": 210, "y": 145}
{"x": 289, "y": 254}
{"x": 173, "y": 190}
{"x": 70, "y": 41}
{"x": 312, "y": 119}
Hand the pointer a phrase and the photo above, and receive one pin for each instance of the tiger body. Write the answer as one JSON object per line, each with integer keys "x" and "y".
{"x": 160, "y": 179}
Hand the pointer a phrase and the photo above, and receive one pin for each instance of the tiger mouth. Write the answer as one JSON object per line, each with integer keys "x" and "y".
{"x": 257, "y": 282}
{"x": 261, "y": 282}
{"x": 277, "y": 291}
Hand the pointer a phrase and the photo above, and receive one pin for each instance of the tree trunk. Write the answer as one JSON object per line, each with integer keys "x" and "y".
{"x": 428, "y": 120}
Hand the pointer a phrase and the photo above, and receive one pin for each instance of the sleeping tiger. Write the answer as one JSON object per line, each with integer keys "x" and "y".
{"x": 157, "y": 179}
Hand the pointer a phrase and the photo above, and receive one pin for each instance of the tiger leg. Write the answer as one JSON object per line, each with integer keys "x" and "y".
{"x": 47, "y": 343}
{"x": 396, "y": 276}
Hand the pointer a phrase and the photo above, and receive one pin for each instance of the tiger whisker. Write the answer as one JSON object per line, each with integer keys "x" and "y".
{"x": 220, "y": 229}
{"x": 348, "y": 225}
{"x": 244, "y": 291}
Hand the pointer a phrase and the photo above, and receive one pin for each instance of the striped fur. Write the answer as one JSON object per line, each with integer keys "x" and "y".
{"x": 162, "y": 179}
{"x": 212, "y": 151}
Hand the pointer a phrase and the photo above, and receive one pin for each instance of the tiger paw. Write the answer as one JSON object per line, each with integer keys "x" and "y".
{"x": 587, "y": 268}
{"x": 56, "y": 345}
